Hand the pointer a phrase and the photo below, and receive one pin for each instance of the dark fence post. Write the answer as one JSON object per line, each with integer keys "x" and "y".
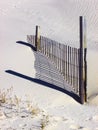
{"x": 37, "y": 38}
{"x": 82, "y": 59}
{"x": 85, "y": 62}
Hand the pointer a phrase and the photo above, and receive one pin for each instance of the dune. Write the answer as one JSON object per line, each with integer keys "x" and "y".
{"x": 40, "y": 106}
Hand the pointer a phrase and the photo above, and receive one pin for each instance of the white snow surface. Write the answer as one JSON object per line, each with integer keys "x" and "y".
{"x": 59, "y": 20}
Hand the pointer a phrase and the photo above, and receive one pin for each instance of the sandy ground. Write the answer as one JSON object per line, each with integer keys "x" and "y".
{"x": 41, "y": 107}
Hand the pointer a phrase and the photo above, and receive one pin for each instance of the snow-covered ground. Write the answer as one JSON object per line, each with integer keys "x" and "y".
{"x": 41, "y": 107}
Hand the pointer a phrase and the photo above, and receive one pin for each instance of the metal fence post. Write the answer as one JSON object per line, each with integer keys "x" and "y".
{"x": 82, "y": 59}
{"x": 37, "y": 38}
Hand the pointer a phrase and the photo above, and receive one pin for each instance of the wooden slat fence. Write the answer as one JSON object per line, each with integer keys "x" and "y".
{"x": 70, "y": 61}
{"x": 65, "y": 59}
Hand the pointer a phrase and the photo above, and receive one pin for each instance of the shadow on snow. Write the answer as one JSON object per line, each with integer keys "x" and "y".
{"x": 41, "y": 81}
{"x": 46, "y": 84}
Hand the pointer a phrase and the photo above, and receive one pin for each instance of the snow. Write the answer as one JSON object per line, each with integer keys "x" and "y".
{"x": 31, "y": 105}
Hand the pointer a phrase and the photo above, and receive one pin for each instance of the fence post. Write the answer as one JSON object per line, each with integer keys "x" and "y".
{"x": 37, "y": 38}
{"x": 85, "y": 62}
{"x": 82, "y": 62}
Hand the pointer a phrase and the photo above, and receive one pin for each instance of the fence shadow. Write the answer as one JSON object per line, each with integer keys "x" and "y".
{"x": 26, "y": 44}
{"x": 42, "y": 73}
{"x": 46, "y": 84}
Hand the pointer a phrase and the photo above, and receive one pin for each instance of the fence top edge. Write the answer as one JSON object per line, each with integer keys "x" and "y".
{"x": 54, "y": 42}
